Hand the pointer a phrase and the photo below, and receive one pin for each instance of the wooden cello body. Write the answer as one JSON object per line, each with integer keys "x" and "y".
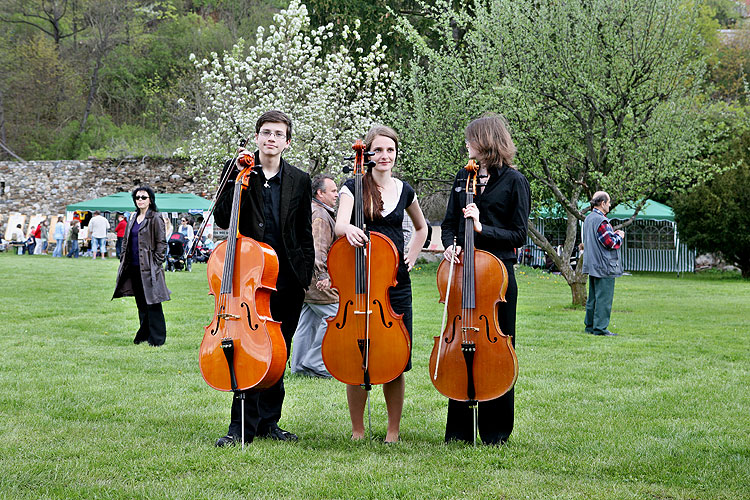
{"x": 242, "y": 347}
{"x": 472, "y": 360}
{"x": 366, "y": 342}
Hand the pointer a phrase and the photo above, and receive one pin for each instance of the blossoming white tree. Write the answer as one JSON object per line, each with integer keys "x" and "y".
{"x": 332, "y": 98}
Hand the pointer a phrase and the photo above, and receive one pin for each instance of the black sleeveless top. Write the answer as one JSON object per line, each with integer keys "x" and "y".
{"x": 391, "y": 225}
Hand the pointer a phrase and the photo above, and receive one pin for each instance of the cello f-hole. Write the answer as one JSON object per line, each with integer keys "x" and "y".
{"x": 487, "y": 328}
{"x": 346, "y": 310}
{"x": 382, "y": 314}
{"x": 453, "y": 330}
{"x": 250, "y": 323}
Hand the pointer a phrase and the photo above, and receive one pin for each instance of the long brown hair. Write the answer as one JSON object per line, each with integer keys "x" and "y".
{"x": 372, "y": 200}
{"x": 491, "y": 138}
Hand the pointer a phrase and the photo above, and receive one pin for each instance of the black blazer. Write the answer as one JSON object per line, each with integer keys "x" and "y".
{"x": 504, "y": 209}
{"x": 295, "y": 216}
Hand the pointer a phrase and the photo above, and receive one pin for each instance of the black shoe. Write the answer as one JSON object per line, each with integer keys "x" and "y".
{"x": 227, "y": 440}
{"x": 606, "y": 333}
{"x": 277, "y": 433}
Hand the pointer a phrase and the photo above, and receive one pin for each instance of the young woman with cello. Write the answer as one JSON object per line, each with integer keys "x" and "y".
{"x": 274, "y": 210}
{"x": 500, "y": 214}
{"x": 385, "y": 199}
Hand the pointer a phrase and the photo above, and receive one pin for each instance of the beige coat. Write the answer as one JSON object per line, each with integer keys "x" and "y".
{"x": 152, "y": 248}
{"x": 323, "y": 237}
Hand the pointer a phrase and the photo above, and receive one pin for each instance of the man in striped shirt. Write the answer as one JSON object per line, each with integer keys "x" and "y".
{"x": 602, "y": 262}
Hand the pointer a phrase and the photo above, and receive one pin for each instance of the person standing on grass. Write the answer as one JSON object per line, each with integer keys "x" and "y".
{"x": 501, "y": 215}
{"x": 120, "y": 228}
{"x": 321, "y": 301}
{"x": 602, "y": 262}
{"x": 59, "y": 236}
{"x": 141, "y": 273}
{"x": 98, "y": 227}
{"x": 386, "y": 201}
{"x": 274, "y": 209}
{"x": 38, "y": 239}
{"x": 75, "y": 227}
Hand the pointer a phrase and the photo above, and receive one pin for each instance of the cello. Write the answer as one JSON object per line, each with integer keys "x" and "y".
{"x": 366, "y": 342}
{"x": 472, "y": 360}
{"x": 243, "y": 347}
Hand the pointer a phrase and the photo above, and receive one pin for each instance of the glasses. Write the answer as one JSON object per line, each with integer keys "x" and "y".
{"x": 268, "y": 133}
{"x": 138, "y": 197}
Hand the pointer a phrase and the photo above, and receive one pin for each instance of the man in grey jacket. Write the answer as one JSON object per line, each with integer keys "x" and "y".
{"x": 321, "y": 301}
{"x": 602, "y": 262}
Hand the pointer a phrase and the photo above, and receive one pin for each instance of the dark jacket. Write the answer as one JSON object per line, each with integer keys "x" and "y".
{"x": 152, "y": 247}
{"x": 504, "y": 209}
{"x": 295, "y": 216}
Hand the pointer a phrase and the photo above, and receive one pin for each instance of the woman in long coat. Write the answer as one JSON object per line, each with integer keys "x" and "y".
{"x": 141, "y": 274}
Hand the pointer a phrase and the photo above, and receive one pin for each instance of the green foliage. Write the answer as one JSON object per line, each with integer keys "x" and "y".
{"x": 101, "y": 138}
{"x": 600, "y": 95}
{"x": 726, "y": 12}
{"x": 713, "y": 216}
{"x": 378, "y": 18}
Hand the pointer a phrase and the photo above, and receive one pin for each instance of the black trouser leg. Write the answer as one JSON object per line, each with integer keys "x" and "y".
{"x": 153, "y": 327}
{"x": 495, "y": 419}
{"x": 263, "y": 408}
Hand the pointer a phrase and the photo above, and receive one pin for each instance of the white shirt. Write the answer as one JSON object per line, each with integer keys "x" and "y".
{"x": 98, "y": 227}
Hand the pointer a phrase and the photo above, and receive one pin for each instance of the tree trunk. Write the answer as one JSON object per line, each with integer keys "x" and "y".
{"x": 92, "y": 92}
{"x": 2, "y": 120}
{"x": 578, "y": 291}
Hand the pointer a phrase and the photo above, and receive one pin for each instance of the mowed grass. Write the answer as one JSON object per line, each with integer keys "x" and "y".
{"x": 661, "y": 411}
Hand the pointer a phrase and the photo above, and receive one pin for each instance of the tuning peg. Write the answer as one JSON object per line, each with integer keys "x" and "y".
{"x": 370, "y": 164}
{"x": 348, "y": 169}
{"x": 369, "y": 153}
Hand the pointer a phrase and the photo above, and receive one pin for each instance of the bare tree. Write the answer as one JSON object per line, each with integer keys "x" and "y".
{"x": 108, "y": 22}
{"x": 49, "y": 16}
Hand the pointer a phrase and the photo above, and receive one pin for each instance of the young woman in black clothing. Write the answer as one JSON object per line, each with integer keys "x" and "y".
{"x": 500, "y": 212}
{"x": 385, "y": 200}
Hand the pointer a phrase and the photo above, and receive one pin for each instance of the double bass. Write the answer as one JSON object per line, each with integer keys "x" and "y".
{"x": 472, "y": 360}
{"x": 243, "y": 347}
{"x": 366, "y": 342}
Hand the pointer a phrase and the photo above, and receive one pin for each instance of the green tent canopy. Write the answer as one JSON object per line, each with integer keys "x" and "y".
{"x": 165, "y": 202}
{"x": 652, "y": 210}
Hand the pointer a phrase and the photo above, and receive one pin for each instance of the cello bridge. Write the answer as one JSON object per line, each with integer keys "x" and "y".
{"x": 369, "y": 311}
{"x": 228, "y": 316}
{"x": 470, "y": 329}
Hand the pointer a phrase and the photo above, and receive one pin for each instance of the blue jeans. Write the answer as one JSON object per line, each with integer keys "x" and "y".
{"x": 101, "y": 243}
{"x": 73, "y": 250}
{"x": 58, "y": 247}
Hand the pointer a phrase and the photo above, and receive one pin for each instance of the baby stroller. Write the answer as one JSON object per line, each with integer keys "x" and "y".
{"x": 176, "y": 253}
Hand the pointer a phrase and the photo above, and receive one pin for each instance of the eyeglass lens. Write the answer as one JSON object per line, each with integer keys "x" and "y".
{"x": 269, "y": 133}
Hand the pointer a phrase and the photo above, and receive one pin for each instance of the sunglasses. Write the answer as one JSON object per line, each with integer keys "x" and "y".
{"x": 141, "y": 197}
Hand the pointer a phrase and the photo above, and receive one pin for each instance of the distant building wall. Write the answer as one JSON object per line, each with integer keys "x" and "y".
{"x": 47, "y": 187}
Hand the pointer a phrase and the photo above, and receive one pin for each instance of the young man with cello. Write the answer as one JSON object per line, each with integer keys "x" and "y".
{"x": 274, "y": 209}
{"x": 500, "y": 214}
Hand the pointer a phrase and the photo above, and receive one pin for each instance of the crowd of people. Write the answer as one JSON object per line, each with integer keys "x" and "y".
{"x": 92, "y": 237}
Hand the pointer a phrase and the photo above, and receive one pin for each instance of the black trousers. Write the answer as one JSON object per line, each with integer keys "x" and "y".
{"x": 495, "y": 419}
{"x": 263, "y": 408}
{"x": 153, "y": 327}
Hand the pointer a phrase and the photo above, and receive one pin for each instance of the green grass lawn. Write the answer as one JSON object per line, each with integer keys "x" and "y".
{"x": 660, "y": 412}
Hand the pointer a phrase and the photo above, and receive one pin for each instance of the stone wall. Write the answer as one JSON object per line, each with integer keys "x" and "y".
{"x": 47, "y": 187}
